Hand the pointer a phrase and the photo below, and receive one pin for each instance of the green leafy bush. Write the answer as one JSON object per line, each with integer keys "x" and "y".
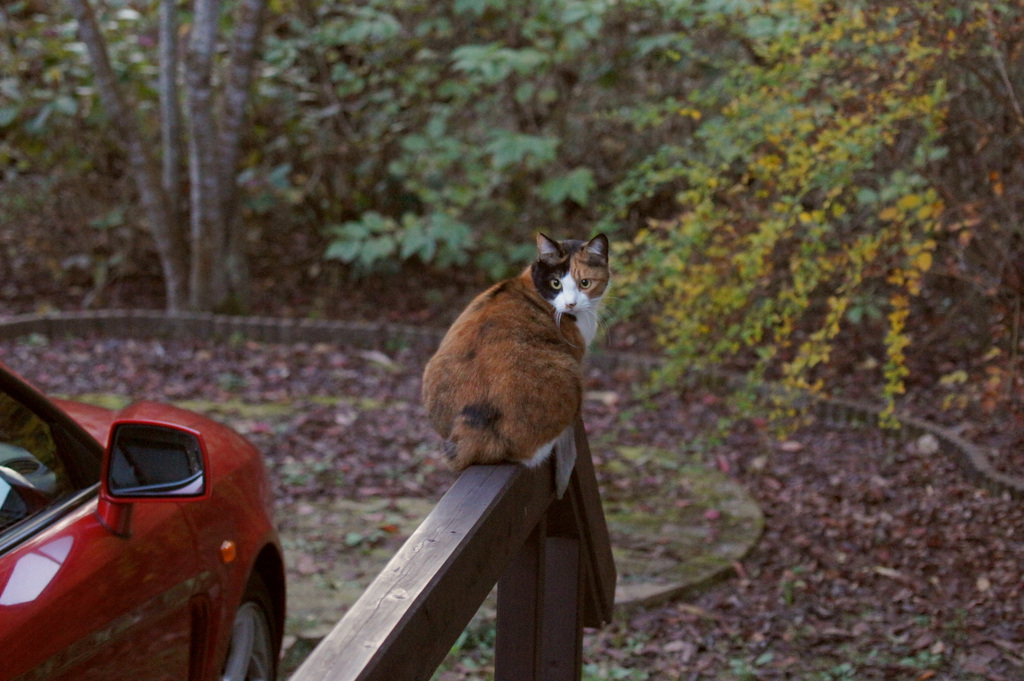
{"x": 454, "y": 131}
{"x": 42, "y": 97}
{"x": 374, "y": 241}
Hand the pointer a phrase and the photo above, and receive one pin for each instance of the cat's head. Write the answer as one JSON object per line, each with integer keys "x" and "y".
{"x": 572, "y": 275}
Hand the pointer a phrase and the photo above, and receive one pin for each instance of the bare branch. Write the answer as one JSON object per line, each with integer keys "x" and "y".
{"x": 997, "y": 57}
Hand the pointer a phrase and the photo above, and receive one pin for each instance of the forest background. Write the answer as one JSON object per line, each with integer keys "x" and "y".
{"x": 829, "y": 195}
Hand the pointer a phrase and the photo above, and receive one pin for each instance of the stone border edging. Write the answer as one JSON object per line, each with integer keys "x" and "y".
{"x": 974, "y": 460}
{"x": 159, "y": 324}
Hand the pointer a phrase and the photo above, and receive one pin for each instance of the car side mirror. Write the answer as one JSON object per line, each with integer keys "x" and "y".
{"x": 147, "y": 462}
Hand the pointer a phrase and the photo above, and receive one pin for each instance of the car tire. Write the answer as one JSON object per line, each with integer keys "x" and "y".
{"x": 252, "y": 655}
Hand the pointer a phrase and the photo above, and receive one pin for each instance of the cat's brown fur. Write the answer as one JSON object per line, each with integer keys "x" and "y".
{"x": 506, "y": 380}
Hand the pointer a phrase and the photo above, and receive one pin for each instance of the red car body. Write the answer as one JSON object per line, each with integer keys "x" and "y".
{"x": 96, "y": 585}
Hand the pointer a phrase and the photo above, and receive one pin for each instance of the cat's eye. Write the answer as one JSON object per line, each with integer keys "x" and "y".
{"x": 585, "y": 283}
{"x": 556, "y": 284}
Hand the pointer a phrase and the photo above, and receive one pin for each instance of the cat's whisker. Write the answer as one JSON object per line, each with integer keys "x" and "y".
{"x": 605, "y": 297}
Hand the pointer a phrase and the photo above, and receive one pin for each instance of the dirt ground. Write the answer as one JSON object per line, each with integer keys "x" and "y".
{"x": 879, "y": 560}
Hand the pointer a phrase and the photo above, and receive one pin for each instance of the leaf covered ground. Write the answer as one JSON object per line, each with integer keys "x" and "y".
{"x": 879, "y": 560}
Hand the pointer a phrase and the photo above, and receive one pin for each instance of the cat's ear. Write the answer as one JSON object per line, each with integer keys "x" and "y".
{"x": 598, "y": 246}
{"x": 546, "y": 245}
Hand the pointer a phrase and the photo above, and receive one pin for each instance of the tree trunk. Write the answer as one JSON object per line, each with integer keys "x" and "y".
{"x": 170, "y": 240}
{"x": 208, "y": 280}
{"x": 170, "y": 109}
{"x": 238, "y": 82}
{"x": 204, "y": 263}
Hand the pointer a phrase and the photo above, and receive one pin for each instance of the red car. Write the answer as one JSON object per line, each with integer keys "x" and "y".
{"x": 136, "y": 544}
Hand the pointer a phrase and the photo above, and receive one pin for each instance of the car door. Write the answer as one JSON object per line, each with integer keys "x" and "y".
{"x": 78, "y": 600}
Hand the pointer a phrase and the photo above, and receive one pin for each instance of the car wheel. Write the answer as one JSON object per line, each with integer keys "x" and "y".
{"x": 251, "y": 651}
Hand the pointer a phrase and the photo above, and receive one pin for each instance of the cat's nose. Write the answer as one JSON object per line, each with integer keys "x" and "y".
{"x": 570, "y": 306}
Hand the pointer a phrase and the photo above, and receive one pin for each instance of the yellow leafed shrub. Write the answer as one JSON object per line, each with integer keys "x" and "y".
{"x": 807, "y": 198}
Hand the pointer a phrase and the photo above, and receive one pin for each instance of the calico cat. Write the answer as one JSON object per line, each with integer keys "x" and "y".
{"x": 506, "y": 383}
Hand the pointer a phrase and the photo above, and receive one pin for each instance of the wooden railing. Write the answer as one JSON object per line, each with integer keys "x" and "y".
{"x": 498, "y": 524}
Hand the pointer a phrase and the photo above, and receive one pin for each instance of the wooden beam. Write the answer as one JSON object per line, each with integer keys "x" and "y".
{"x": 410, "y": 616}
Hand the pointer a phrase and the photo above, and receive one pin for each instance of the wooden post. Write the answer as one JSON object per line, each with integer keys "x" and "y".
{"x": 519, "y": 646}
{"x": 562, "y": 626}
{"x": 540, "y": 604}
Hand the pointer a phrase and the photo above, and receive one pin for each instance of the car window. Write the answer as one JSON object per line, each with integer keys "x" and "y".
{"x": 32, "y": 475}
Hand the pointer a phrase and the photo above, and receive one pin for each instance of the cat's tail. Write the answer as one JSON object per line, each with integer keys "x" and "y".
{"x": 475, "y": 438}
{"x": 462, "y": 450}
{"x": 472, "y": 442}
